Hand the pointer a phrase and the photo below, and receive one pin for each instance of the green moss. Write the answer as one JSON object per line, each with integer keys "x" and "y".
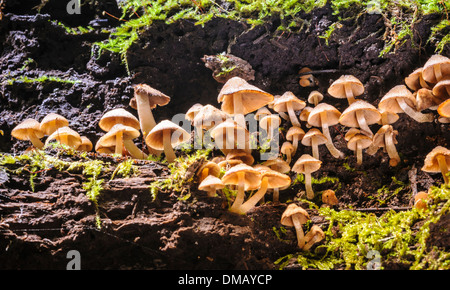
{"x": 41, "y": 79}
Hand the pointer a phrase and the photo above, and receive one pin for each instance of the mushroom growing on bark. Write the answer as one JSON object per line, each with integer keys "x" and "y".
{"x": 438, "y": 160}
{"x": 165, "y": 136}
{"x": 295, "y": 135}
{"x": 436, "y": 68}
{"x": 211, "y": 184}
{"x": 306, "y": 165}
{"x": 51, "y": 122}
{"x": 360, "y": 114}
{"x": 287, "y": 149}
{"x": 118, "y": 116}
{"x": 357, "y": 142}
{"x": 314, "y": 235}
{"x": 66, "y": 136}
{"x": 346, "y": 87}
{"x": 122, "y": 136}
{"x": 295, "y": 216}
{"x": 29, "y": 129}
{"x": 289, "y": 103}
{"x": 314, "y": 138}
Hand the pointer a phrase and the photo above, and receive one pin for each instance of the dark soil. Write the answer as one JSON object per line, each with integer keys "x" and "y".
{"x": 38, "y": 228}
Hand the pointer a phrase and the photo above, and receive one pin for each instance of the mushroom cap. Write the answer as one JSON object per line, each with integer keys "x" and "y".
{"x": 118, "y": 116}
{"x": 211, "y": 182}
{"x": 213, "y": 168}
{"x": 412, "y": 81}
{"x": 262, "y": 112}
{"x": 306, "y": 80}
{"x": 239, "y": 154}
{"x": 52, "y": 121}
{"x": 348, "y": 117}
{"x": 337, "y": 88}
{"x": 192, "y": 112}
{"x": 102, "y": 148}
{"x": 306, "y": 164}
{"x": 109, "y": 139}
{"x": 280, "y": 104}
{"x": 252, "y": 177}
{"x": 362, "y": 139}
{"x": 73, "y": 138}
{"x": 287, "y": 147}
{"x": 329, "y": 197}
{"x": 86, "y": 144}
{"x": 295, "y": 131}
{"x": 304, "y": 114}
{"x": 315, "y": 231}
{"x": 314, "y": 132}
{"x": 267, "y": 121}
{"x": 425, "y": 99}
{"x": 442, "y": 89}
{"x": 154, "y": 96}
{"x": 333, "y": 115}
{"x": 420, "y": 200}
{"x": 275, "y": 179}
{"x": 351, "y": 133}
{"x": 293, "y": 209}
{"x": 26, "y": 128}
{"x": 278, "y": 164}
{"x": 428, "y": 68}
{"x": 390, "y": 117}
{"x": 315, "y": 94}
{"x": 155, "y": 139}
{"x": 229, "y": 163}
{"x": 378, "y": 138}
{"x": 389, "y": 100}
{"x": 208, "y": 117}
{"x": 220, "y": 132}
{"x": 253, "y": 98}
{"x": 444, "y": 109}
{"x": 431, "y": 164}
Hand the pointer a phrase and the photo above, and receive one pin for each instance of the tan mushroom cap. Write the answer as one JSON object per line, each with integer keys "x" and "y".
{"x": 222, "y": 133}
{"x": 102, "y": 148}
{"x": 66, "y": 136}
{"x": 252, "y": 177}
{"x": 363, "y": 140}
{"x": 275, "y": 179}
{"x": 51, "y": 122}
{"x": 306, "y": 164}
{"x": 442, "y": 89}
{"x": 293, "y": 209}
{"x": 444, "y": 109}
{"x": 378, "y": 138}
{"x": 389, "y": 100}
{"x": 333, "y": 114}
{"x": 314, "y": 133}
{"x": 304, "y": 114}
{"x": 109, "y": 139}
{"x": 425, "y": 99}
{"x": 229, "y": 163}
{"x": 277, "y": 164}
{"x": 431, "y": 163}
{"x": 253, "y": 98}
{"x": 436, "y": 62}
{"x": 86, "y": 144}
{"x": 27, "y": 127}
{"x": 351, "y": 133}
{"x": 420, "y": 200}
{"x": 155, "y": 138}
{"x": 262, "y": 112}
{"x": 211, "y": 182}
{"x": 192, "y": 112}
{"x": 337, "y": 88}
{"x": 388, "y": 118}
{"x": 415, "y": 81}
{"x": 118, "y": 116}
{"x": 371, "y": 114}
{"x": 295, "y": 131}
{"x": 212, "y": 167}
{"x": 208, "y": 117}
{"x": 270, "y": 121}
{"x": 154, "y": 96}
{"x": 239, "y": 154}
{"x": 314, "y": 235}
{"x": 287, "y": 147}
{"x": 315, "y": 97}
{"x": 280, "y": 104}
{"x": 329, "y": 197}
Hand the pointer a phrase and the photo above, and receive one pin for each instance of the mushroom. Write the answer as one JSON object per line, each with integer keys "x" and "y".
{"x": 426, "y": 100}
{"x": 346, "y": 87}
{"x": 245, "y": 177}
{"x": 239, "y": 98}
{"x": 144, "y": 100}
{"x": 122, "y": 136}
{"x": 269, "y": 179}
{"x": 325, "y": 115}
{"x": 51, "y": 122}
{"x": 441, "y": 90}
{"x": 420, "y": 200}
{"x": 415, "y": 80}
{"x": 438, "y": 160}
{"x": 227, "y": 164}
{"x": 29, "y": 129}
{"x": 287, "y": 149}
{"x": 357, "y": 143}
{"x": 315, "y": 97}
{"x": 270, "y": 123}
{"x": 400, "y": 100}
{"x": 314, "y": 235}
{"x": 295, "y": 216}
{"x": 239, "y": 154}
{"x": 294, "y": 135}
{"x": 306, "y": 165}
{"x": 208, "y": 117}
{"x": 102, "y": 148}
{"x": 118, "y": 116}
{"x": 385, "y": 137}
{"x": 207, "y": 169}
{"x": 307, "y": 80}
{"x": 86, "y": 144}
{"x": 388, "y": 118}
{"x": 277, "y": 164}
{"x": 211, "y": 184}
{"x": 193, "y": 111}
{"x": 165, "y": 136}
{"x": 444, "y": 109}
{"x": 289, "y": 103}
{"x": 66, "y": 136}
{"x": 436, "y": 68}
{"x": 329, "y": 197}
{"x": 304, "y": 114}
{"x": 360, "y": 114}
{"x": 262, "y": 112}
{"x": 314, "y": 138}
{"x": 229, "y": 135}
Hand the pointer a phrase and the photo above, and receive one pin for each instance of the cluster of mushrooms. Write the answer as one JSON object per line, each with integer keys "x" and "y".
{"x": 227, "y": 129}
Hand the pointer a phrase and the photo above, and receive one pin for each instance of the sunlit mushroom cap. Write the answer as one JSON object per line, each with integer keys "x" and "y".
{"x": 213, "y": 168}
{"x": 428, "y": 68}
{"x": 442, "y": 89}
{"x": 315, "y": 95}
{"x": 425, "y": 99}
{"x": 295, "y": 131}
{"x": 431, "y": 163}
{"x": 413, "y": 80}
{"x": 262, "y": 112}
{"x": 329, "y": 197}
{"x": 306, "y": 164}
{"x": 230, "y": 129}
{"x": 444, "y": 109}
{"x": 211, "y": 182}
{"x": 278, "y": 164}
{"x": 389, "y": 101}
{"x": 287, "y": 147}
{"x": 86, "y": 144}
{"x": 253, "y": 98}
{"x": 252, "y": 177}
{"x": 337, "y": 88}
{"x": 239, "y": 154}
{"x": 118, "y": 116}
{"x": 348, "y": 117}
{"x": 154, "y": 96}
{"x": 155, "y": 138}
{"x": 280, "y": 104}
{"x": 270, "y": 120}
{"x": 361, "y": 139}
{"x": 333, "y": 114}
{"x": 378, "y": 138}
{"x": 109, "y": 139}
{"x": 65, "y": 133}
{"x": 293, "y": 209}
{"x": 275, "y": 179}
{"x": 209, "y": 116}
{"x": 51, "y": 122}
{"x": 314, "y": 133}
{"x": 26, "y": 128}
{"x": 192, "y": 112}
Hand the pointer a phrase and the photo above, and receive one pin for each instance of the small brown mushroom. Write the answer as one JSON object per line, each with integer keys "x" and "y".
{"x": 229, "y": 135}
{"x": 289, "y": 103}
{"x": 426, "y": 100}
{"x": 211, "y": 184}
{"x": 357, "y": 143}
{"x": 295, "y": 135}
{"x": 314, "y": 235}
{"x": 307, "y": 80}
{"x": 239, "y": 154}
{"x": 287, "y": 149}
{"x": 66, "y": 136}
{"x": 306, "y": 165}
{"x": 207, "y": 118}
{"x": 329, "y": 197}
{"x": 86, "y": 144}
{"x": 207, "y": 169}
{"x": 51, "y": 122}
{"x": 270, "y": 124}
{"x": 444, "y": 109}
{"x": 436, "y": 68}
{"x": 346, "y": 87}
{"x": 438, "y": 160}
{"x": 315, "y": 97}
{"x": 385, "y": 138}
{"x": 29, "y": 129}
{"x": 420, "y": 200}
{"x": 360, "y": 114}
{"x": 314, "y": 138}
{"x": 442, "y": 90}
{"x": 121, "y": 136}
{"x": 295, "y": 216}
{"x": 415, "y": 80}
{"x": 118, "y": 116}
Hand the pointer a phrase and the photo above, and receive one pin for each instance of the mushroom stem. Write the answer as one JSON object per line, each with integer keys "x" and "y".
{"x": 292, "y": 116}
{"x": 211, "y": 192}
{"x": 252, "y": 201}
{"x": 134, "y": 151}
{"x": 240, "y": 194}
{"x": 119, "y": 143}
{"x": 295, "y": 144}
{"x": 349, "y": 93}
{"x": 146, "y": 119}
{"x": 359, "y": 155}
{"x": 443, "y": 167}
{"x": 326, "y": 131}
{"x": 299, "y": 231}
{"x": 239, "y": 111}
{"x": 310, "y": 243}
{"x": 168, "y": 150}
{"x": 288, "y": 157}
{"x": 315, "y": 147}
{"x": 391, "y": 150}
{"x": 35, "y": 141}
{"x": 419, "y": 117}
{"x": 363, "y": 123}
{"x": 276, "y": 196}
{"x": 308, "y": 186}
{"x": 437, "y": 72}
{"x": 283, "y": 115}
